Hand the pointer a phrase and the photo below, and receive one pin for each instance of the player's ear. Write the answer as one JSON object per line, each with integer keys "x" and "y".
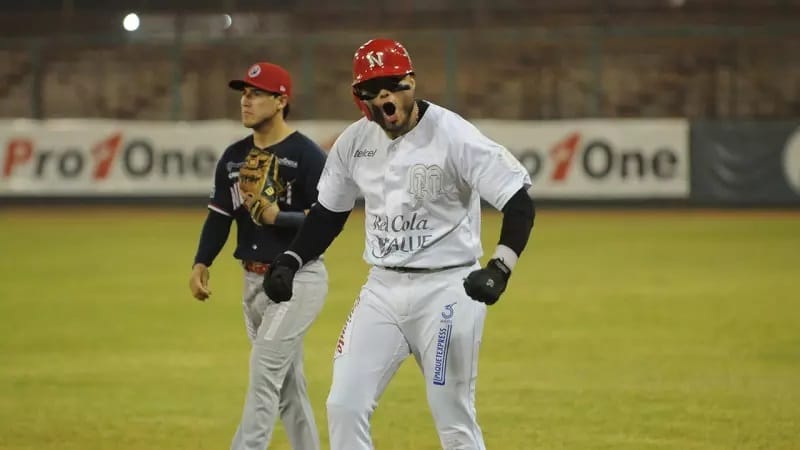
{"x": 284, "y": 101}
{"x": 283, "y": 105}
{"x": 411, "y": 80}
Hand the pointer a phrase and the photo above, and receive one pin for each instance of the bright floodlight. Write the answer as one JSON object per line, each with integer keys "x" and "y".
{"x": 227, "y": 20}
{"x": 131, "y": 22}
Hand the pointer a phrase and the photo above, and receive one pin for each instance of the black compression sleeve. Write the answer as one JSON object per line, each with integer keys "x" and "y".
{"x": 318, "y": 232}
{"x": 290, "y": 219}
{"x": 213, "y": 237}
{"x": 518, "y": 215}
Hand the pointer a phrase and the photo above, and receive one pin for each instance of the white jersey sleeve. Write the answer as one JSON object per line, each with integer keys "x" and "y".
{"x": 337, "y": 190}
{"x": 490, "y": 169}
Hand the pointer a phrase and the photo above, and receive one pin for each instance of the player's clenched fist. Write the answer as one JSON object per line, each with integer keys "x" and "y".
{"x": 280, "y": 276}
{"x": 198, "y": 283}
{"x": 485, "y": 285}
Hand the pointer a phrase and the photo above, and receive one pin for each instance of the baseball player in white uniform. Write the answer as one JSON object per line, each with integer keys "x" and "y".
{"x": 422, "y": 171}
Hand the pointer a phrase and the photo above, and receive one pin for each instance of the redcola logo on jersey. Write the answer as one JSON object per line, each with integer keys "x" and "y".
{"x": 413, "y": 229}
{"x": 399, "y": 223}
{"x": 135, "y": 157}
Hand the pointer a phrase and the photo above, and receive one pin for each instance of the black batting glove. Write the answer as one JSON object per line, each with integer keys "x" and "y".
{"x": 279, "y": 278}
{"x": 487, "y": 284}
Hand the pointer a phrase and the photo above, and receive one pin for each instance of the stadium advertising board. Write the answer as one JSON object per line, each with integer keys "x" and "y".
{"x": 113, "y": 158}
{"x": 580, "y": 160}
{"x": 600, "y": 159}
{"x": 746, "y": 162}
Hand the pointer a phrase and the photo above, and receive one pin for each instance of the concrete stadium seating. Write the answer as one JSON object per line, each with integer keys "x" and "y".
{"x": 509, "y": 75}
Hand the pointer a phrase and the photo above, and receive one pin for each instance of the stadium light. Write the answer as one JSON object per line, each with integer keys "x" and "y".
{"x": 131, "y": 22}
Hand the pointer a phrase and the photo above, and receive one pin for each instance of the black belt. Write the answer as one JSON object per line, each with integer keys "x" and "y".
{"x": 425, "y": 269}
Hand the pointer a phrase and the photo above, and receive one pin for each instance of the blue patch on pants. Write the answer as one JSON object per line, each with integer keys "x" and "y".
{"x": 442, "y": 347}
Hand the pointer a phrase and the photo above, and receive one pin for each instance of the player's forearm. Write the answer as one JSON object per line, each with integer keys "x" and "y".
{"x": 212, "y": 238}
{"x": 319, "y": 230}
{"x": 518, "y": 216}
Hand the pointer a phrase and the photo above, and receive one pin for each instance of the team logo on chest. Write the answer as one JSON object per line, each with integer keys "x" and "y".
{"x": 425, "y": 182}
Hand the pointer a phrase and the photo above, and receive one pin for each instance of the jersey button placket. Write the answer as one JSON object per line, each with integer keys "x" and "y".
{"x": 388, "y": 175}
{"x": 390, "y": 187}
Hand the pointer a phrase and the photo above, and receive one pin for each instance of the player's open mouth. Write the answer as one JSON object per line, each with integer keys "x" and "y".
{"x": 390, "y": 112}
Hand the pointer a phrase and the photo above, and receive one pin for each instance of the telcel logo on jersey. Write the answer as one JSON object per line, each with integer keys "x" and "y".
{"x": 443, "y": 345}
{"x": 365, "y": 153}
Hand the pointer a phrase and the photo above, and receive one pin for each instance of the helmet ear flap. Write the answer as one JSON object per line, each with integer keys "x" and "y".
{"x": 362, "y": 105}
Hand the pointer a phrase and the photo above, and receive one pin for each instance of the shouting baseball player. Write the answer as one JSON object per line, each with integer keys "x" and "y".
{"x": 422, "y": 171}
{"x": 266, "y": 182}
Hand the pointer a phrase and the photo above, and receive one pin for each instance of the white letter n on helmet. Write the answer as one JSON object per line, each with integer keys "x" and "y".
{"x": 375, "y": 59}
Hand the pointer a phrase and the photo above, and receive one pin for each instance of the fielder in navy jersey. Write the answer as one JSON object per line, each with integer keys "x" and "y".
{"x": 275, "y": 328}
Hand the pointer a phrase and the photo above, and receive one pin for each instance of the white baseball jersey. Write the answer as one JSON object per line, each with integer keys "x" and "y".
{"x": 421, "y": 190}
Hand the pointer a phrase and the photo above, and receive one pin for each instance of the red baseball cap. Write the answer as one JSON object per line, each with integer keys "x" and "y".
{"x": 267, "y": 77}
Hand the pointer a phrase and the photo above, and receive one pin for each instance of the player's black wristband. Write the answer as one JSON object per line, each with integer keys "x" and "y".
{"x": 518, "y": 215}
{"x": 290, "y": 219}
{"x": 318, "y": 231}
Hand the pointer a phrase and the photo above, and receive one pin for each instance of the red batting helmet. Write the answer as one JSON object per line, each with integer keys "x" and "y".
{"x": 380, "y": 58}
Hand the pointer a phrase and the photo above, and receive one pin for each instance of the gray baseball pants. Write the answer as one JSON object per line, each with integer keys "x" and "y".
{"x": 277, "y": 383}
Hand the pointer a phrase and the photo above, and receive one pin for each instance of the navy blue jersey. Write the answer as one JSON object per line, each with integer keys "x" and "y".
{"x": 300, "y": 163}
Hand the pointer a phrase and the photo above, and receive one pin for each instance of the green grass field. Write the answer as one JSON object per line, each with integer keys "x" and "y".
{"x": 623, "y": 331}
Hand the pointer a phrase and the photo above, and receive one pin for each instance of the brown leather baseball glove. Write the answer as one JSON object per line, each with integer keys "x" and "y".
{"x": 259, "y": 183}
